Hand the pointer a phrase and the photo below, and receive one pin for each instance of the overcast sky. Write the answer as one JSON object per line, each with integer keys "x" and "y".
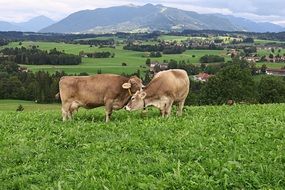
{"x": 258, "y": 10}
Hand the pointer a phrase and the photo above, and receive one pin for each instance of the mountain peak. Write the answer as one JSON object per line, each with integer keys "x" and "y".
{"x": 147, "y": 18}
{"x": 41, "y": 18}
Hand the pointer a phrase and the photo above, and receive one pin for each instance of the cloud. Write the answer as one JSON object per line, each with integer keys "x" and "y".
{"x": 258, "y": 10}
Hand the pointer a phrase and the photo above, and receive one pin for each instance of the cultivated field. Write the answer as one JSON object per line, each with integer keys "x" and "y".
{"x": 238, "y": 147}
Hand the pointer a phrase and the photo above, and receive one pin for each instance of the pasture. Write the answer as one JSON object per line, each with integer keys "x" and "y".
{"x": 12, "y": 105}
{"x": 237, "y": 147}
{"x": 134, "y": 60}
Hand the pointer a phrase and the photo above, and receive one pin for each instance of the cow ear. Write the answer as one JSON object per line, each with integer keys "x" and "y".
{"x": 143, "y": 95}
{"x": 127, "y": 85}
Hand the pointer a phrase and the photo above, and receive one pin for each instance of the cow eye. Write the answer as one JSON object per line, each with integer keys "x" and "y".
{"x": 133, "y": 99}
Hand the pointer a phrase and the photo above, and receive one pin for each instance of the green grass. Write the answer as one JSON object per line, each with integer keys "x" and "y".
{"x": 238, "y": 147}
{"x": 104, "y": 38}
{"x": 135, "y": 60}
{"x": 271, "y": 65}
{"x": 259, "y": 41}
{"x": 268, "y": 52}
{"x": 12, "y": 105}
{"x": 173, "y": 38}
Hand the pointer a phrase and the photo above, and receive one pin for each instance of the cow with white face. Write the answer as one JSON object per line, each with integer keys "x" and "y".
{"x": 166, "y": 88}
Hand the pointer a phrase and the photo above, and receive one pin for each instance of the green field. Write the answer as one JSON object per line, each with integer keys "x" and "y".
{"x": 135, "y": 60}
{"x": 238, "y": 147}
{"x": 259, "y": 41}
{"x": 267, "y": 52}
{"x": 271, "y": 65}
{"x": 12, "y": 105}
{"x": 173, "y": 38}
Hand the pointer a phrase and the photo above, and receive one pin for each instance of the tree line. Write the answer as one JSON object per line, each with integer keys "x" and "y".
{"x": 15, "y": 84}
{"x": 161, "y": 47}
{"x": 3, "y": 42}
{"x": 35, "y": 56}
{"x": 103, "y": 54}
{"x": 95, "y": 42}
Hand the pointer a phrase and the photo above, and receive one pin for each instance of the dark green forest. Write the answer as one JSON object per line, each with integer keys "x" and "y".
{"x": 35, "y": 56}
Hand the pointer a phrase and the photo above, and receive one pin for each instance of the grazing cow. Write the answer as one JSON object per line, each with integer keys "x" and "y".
{"x": 166, "y": 88}
{"x": 111, "y": 91}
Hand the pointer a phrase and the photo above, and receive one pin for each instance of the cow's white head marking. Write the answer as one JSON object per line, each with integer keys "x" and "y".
{"x": 137, "y": 101}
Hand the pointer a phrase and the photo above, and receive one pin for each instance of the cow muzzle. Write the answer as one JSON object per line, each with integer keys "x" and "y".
{"x": 128, "y": 108}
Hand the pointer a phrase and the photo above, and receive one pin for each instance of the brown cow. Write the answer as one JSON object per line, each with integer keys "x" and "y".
{"x": 111, "y": 91}
{"x": 166, "y": 88}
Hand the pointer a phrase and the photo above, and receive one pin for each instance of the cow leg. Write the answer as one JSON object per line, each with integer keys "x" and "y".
{"x": 108, "y": 110}
{"x": 168, "y": 108}
{"x": 162, "y": 112}
{"x": 180, "y": 107}
{"x": 73, "y": 108}
{"x": 65, "y": 111}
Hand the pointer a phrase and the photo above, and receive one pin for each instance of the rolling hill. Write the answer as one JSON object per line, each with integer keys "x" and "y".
{"x": 152, "y": 18}
{"x": 32, "y": 25}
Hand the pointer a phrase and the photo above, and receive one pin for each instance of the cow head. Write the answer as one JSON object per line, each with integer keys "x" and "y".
{"x": 137, "y": 101}
{"x": 133, "y": 85}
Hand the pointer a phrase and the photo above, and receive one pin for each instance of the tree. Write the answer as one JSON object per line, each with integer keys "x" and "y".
{"x": 249, "y": 50}
{"x": 248, "y": 40}
{"x": 172, "y": 64}
{"x": 147, "y": 62}
{"x": 212, "y": 59}
{"x": 263, "y": 69}
{"x": 231, "y": 83}
{"x": 20, "y": 108}
{"x": 271, "y": 90}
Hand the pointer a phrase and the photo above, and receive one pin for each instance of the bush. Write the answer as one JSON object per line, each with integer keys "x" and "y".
{"x": 211, "y": 59}
{"x": 271, "y": 90}
{"x": 20, "y": 108}
{"x": 231, "y": 83}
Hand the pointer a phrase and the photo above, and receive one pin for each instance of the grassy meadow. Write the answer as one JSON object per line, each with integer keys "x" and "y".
{"x": 12, "y": 105}
{"x": 135, "y": 60}
{"x": 237, "y": 147}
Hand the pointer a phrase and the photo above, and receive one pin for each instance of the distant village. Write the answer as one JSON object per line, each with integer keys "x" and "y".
{"x": 234, "y": 49}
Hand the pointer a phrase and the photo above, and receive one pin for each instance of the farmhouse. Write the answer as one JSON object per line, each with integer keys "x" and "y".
{"x": 23, "y": 69}
{"x": 203, "y": 77}
{"x": 252, "y": 59}
{"x": 156, "y": 67}
{"x": 275, "y": 72}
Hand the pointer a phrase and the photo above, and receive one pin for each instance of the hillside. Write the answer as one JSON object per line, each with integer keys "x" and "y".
{"x": 238, "y": 147}
{"x": 6, "y": 26}
{"x": 150, "y": 18}
{"x": 32, "y": 25}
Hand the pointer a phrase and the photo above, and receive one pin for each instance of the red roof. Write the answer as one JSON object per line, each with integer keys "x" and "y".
{"x": 204, "y": 76}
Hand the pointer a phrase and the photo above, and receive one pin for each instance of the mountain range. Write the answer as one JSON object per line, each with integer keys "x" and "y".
{"x": 32, "y": 25}
{"x": 147, "y": 18}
